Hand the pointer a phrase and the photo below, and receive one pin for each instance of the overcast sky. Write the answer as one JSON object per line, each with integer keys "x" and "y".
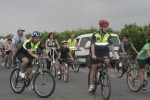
{"x": 60, "y": 15}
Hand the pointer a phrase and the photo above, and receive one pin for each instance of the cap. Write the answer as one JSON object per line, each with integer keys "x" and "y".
{"x": 20, "y": 30}
{"x": 4, "y": 35}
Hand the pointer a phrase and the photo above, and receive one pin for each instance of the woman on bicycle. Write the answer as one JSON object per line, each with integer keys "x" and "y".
{"x": 63, "y": 54}
{"x": 50, "y": 46}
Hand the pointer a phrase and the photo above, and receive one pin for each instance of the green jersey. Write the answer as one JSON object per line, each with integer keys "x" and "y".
{"x": 143, "y": 54}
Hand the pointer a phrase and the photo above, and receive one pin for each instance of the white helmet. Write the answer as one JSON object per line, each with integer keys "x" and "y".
{"x": 4, "y": 35}
{"x": 64, "y": 41}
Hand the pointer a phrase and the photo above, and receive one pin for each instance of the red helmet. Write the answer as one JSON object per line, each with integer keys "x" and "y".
{"x": 104, "y": 23}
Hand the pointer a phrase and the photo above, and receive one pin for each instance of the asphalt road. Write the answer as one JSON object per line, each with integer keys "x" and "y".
{"x": 75, "y": 89}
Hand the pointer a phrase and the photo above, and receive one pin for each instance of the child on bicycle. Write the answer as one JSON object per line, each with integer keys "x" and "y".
{"x": 63, "y": 54}
{"x": 8, "y": 49}
{"x": 124, "y": 46}
{"x": 143, "y": 58}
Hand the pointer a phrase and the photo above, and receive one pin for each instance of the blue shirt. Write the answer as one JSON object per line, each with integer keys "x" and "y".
{"x": 18, "y": 41}
{"x": 127, "y": 45}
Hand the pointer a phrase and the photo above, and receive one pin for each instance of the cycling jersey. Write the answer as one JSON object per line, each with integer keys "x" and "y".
{"x": 3, "y": 41}
{"x": 72, "y": 44}
{"x": 9, "y": 47}
{"x": 101, "y": 42}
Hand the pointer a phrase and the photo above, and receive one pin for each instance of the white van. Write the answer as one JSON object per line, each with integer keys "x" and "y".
{"x": 81, "y": 42}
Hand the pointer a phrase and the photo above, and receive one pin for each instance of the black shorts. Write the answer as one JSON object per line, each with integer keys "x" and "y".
{"x": 142, "y": 63}
{"x": 7, "y": 52}
{"x": 21, "y": 55}
{"x": 99, "y": 54}
{"x": 60, "y": 61}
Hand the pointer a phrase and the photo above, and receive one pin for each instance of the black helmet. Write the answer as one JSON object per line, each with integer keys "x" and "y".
{"x": 64, "y": 41}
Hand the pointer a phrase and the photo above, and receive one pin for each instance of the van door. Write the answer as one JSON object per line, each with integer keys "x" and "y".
{"x": 81, "y": 54}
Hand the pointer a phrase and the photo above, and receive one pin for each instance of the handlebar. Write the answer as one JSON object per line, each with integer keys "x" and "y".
{"x": 102, "y": 58}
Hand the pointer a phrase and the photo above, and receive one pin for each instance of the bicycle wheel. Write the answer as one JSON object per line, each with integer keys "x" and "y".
{"x": 133, "y": 65}
{"x": 8, "y": 64}
{"x": 1, "y": 57}
{"x": 118, "y": 70}
{"x": 147, "y": 75}
{"x": 94, "y": 83}
{"x": 17, "y": 83}
{"x": 66, "y": 75}
{"x": 133, "y": 80}
{"x": 76, "y": 66}
{"x": 105, "y": 85}
{"x": 53, "y": 70}
{"x": 44, "y": 84}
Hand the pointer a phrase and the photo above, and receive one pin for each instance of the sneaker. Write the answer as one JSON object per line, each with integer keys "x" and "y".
{"x": 143, "y": 87}
{"x": 91, "y": 88}
{"x": 31, "y": 87}
{"x": 21, "y": 74}
{"x": 3, "y": 64}
{"x": 120, "y": 64}
{"x": 58, "y": 72}
{"x": 58, "y": 75}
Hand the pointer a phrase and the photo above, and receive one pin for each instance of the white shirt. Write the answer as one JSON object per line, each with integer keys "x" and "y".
{"x": 3, "y": 41}
{"x": 88, "y": 43}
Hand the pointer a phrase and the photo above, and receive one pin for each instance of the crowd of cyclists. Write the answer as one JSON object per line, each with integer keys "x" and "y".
{"x": 25, "y": 48}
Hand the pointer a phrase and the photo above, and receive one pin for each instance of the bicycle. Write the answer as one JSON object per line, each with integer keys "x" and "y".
{"x": 38, "y": 78}
{"x": 133, "y": 78}
{"x": 76, "y": 63}
{"x": 128, "y": 63}
{"x": 64, "y": 70}
{"x": 2, "y": 55}
{"x": 53, "y": 62}
{"x": 9, "y": 60}
{"x": 101, "y": 78}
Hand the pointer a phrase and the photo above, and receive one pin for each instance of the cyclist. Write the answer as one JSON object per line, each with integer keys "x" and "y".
{"x": 63, "y": 53}
{"x": 100, "y": 42}
{"x": 3, "y": 43}
{"x": 17, "y": 42}
{"x": 143, "y": 58}
{"x": 50, "y": 45}
{"x": 8, "y": 49}
{"x": 124, "y": 46}
{"x": 25, "y": 53}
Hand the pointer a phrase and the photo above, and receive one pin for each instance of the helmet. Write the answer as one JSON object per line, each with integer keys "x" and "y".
{"x": 104, "y": 23}
{"x": 64, "y": 41}
{"x": 36, "y": 33}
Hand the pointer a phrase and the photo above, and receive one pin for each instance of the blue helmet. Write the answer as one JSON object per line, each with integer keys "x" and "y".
{"x": 36, "y": 33}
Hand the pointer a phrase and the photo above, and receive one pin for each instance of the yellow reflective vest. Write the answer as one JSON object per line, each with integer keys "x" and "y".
{"x": 33, "y": 46}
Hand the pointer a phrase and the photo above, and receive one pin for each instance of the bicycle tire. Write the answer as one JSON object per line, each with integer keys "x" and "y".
{"x": 53, "y": 70}
{"x": 53, "y": 87}
{"x": 117, "y": 68}
{"x": 8, "y": 65}
{"x": 95, "y": 85}
{"x": 133, "y": 78}
{"x": 16, "y": 71}
{"x": 103, "y": 85}
{"x": 76, "y": 67}
{"x": 66, "y": 75}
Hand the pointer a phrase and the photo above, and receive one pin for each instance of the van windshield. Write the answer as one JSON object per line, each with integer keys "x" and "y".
{"x": 115, "y": 41}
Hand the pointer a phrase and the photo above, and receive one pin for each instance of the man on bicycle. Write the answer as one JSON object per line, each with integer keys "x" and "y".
{"x": 17, "y": 42}
{"x": 124, "y": 46}
{"x": 26, "y": 55}
{"x": 100, "y": 43}
{"x": 143, "y": 58}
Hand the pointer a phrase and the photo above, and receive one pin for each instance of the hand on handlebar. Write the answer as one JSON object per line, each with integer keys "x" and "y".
{"x": 35, "y": 56}
{"x": 94, "y": 57}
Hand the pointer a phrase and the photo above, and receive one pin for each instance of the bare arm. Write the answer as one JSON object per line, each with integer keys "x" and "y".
{"x": 13, "y": 47}
{"x": 6, "y": 46}
{"x": 134, "y": 49}
{"x": 46, "y": 44}
{"x": 112, "y": 49}
{"x": 93, "y": 49}
{"x": 59, "y": 54}
{"x": 148, "y": 52}
{"x": 30, "y": 52}
{"x": 57, "y": 43}
{"x": 70, "y": 55}
{"x": 122, "y": 47}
